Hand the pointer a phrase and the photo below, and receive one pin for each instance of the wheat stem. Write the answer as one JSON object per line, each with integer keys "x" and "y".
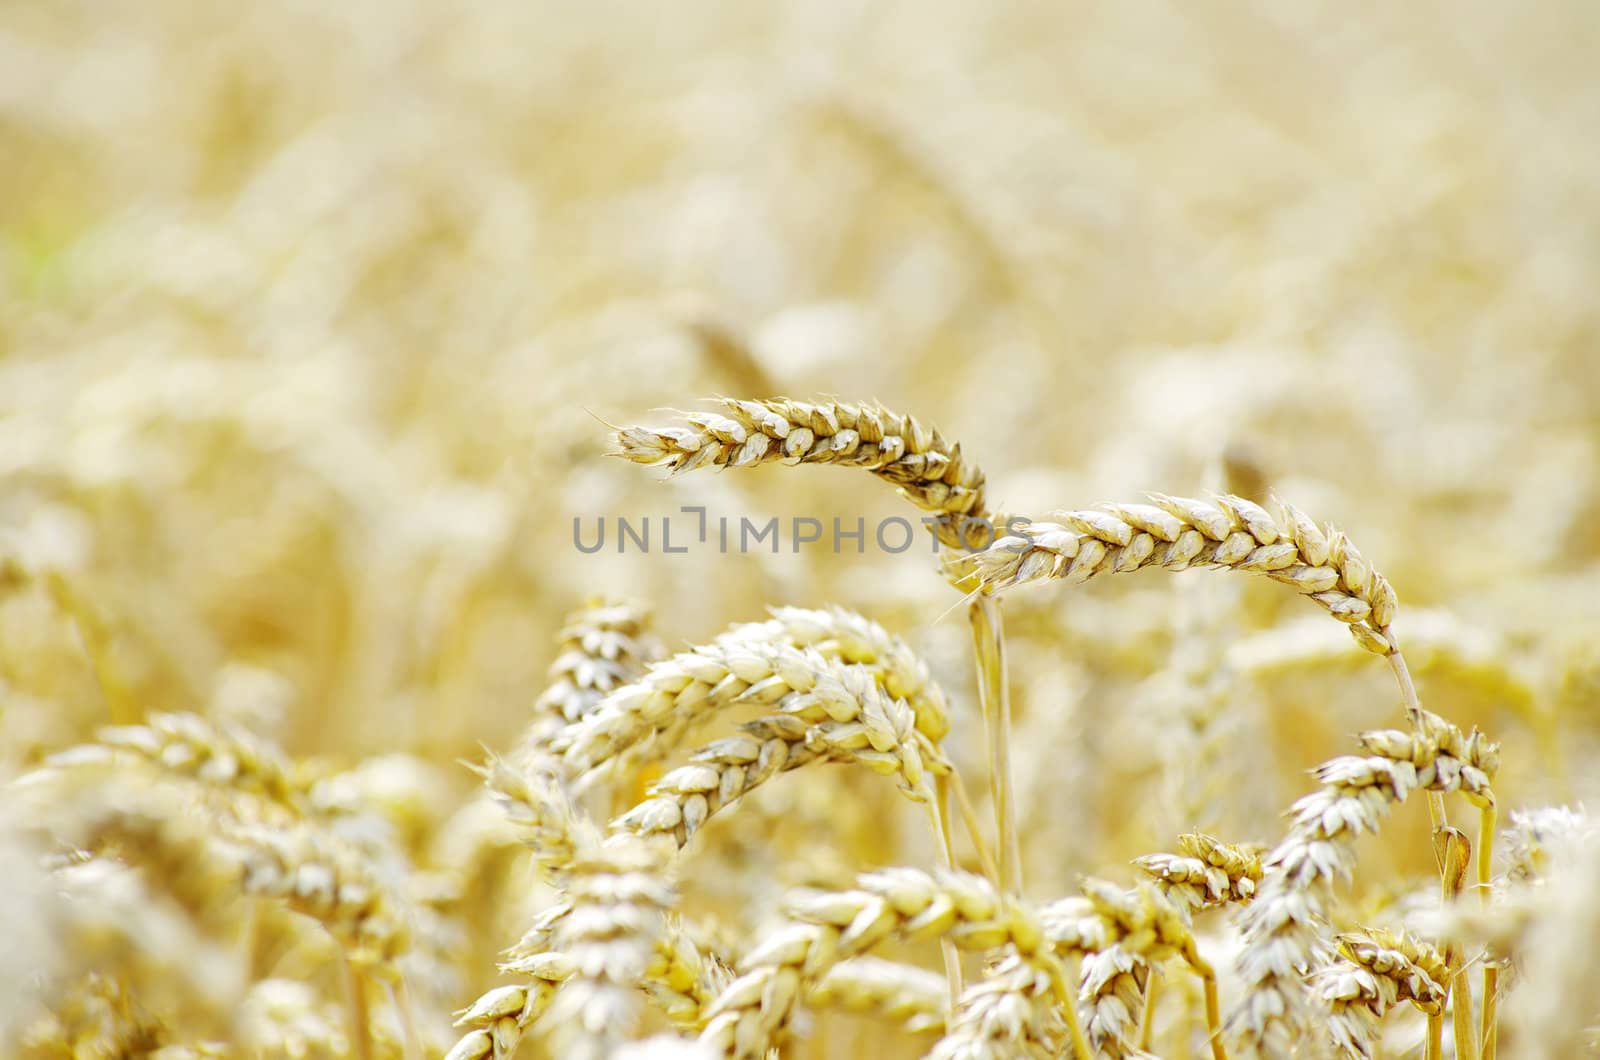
{"x": 1413, "y": 707}
{"x": 1458, "y": 861}
{"x": 940, "y": 817}
{"x": 1147, "y": 1015}
{"x": 988, "y": 639}
{"x": 356, "y": 1010}
{"x": 1489, "y": 1031}
{"x": 1488, "y": 816}
{"x": 969, "y": 820}
{"x": 1208, "y": 979}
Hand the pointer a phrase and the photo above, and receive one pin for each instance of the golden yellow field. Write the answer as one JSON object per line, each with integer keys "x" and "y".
{"x": 330, "y": 726}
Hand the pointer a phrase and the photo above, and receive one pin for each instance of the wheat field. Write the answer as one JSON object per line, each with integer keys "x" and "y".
{"x": 422, "y": 635}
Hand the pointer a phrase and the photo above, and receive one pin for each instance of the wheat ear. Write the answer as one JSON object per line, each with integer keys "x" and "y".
{"x": 760, "y": 664}
{"x": 929, "y": 472}
{"x": 910, "y": 996}
{"x": 839, "y": 633}
{"x": 753, "y": 1012}
{"x": 1553, "y": 1013}
{"x": 1177, "y": 533}
{"x": 1229, "y": 533}
{"x": 879, "y": 737}
{"x": 1010, "y": 1013}
{"x": 620, "y": 898}
{"x": 94, "y": 1015}
{"x": 1115, "y": 931}
{"x": 186, "y": 745}
{"x": 532, "y": 798}
{"x": 501, "y": 1016}
{"x": 750, "y": 664}
{"x": 1371, "y": 973}
{"x": 878, "y": 733}
{"x": 602, "y": 646}
{"x": 284, "y": 1017}
{"x": 1116, "y": 981}
{"x": 1280, "y": 926}
{"x": 1206, "y": 872}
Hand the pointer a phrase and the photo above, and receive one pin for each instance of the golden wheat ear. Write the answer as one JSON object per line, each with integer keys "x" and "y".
{"x": 929, "y": 472}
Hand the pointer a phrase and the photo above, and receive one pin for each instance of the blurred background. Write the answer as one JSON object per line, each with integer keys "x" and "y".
{"x": 312, "y": 318}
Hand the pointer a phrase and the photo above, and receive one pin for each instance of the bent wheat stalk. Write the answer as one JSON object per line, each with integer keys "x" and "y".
{"x": 930, "y": 473}
{"x": 1229, "y": 533}
{"x": 1280, "y": 926}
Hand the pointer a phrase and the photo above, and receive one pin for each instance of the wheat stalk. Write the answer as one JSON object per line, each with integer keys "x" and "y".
{"x": 1280, "y": 926}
